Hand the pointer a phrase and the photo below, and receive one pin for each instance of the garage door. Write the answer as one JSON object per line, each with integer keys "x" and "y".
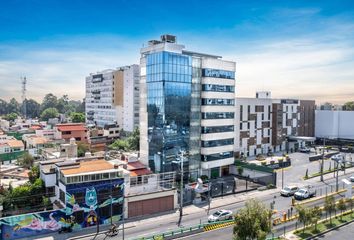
{"x": 150, "y": 206}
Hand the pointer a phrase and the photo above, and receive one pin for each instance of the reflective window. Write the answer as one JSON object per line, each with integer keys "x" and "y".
{"x": 217, "y": 101}
{"x": 218, "y": 115}
{"x": 169, "y": 88}
{"x": 216, "y": 143}
{"x": 218, "y": 88}
{"x": 217, "y": 156}
{"x": 218, "y": 129}
{"x": 208, "y": 72}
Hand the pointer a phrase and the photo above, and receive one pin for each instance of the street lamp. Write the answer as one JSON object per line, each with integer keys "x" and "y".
{"x": 181, "y": 160}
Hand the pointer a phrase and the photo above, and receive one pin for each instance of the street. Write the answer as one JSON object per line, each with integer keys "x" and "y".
{"x": 194, "y": 215}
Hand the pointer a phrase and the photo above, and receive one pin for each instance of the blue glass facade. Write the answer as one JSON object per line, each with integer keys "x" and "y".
{"x": 169, "y": 103}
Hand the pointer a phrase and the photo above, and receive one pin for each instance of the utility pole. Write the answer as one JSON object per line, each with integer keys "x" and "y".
{"x": 337, "y": 177}
{"x": 24, "y": 89}
{"x": 282, "y": 177}
{"x": 181, "y": 191}
{"x": 324, "y": 144}
{"x": 209, "y": 196}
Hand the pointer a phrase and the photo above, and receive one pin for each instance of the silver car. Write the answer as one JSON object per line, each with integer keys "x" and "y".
{"x": 220, "y": 215}
{"x": 289, "y": 191}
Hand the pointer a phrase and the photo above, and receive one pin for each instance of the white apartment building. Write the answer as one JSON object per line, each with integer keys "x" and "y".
{"x": 264, "y": 125}
{"x": 253, "y": 126}
{"x": 112, "y": 97}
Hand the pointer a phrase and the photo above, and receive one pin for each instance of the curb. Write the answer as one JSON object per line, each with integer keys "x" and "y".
{"x": 329, "y": 230}
{"x": 94, "y": 234}
{"x": 319, "y": 198}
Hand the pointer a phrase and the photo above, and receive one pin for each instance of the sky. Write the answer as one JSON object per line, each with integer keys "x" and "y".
{"x": 295, "y": 49}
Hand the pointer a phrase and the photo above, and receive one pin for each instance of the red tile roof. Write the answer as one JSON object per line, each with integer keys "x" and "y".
{"x": 71, "y": 127}
{"x": 135, "y": 165}
{"x": 140, "y": 172}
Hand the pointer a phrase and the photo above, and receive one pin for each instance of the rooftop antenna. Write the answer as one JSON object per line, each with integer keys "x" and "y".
{"x": 24, "y": 108}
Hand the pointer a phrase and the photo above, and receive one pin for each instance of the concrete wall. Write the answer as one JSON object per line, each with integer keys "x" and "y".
{"x": 334, "y": 124}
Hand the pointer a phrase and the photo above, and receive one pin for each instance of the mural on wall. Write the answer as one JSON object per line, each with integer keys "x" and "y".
{"x": 88, "y": 203}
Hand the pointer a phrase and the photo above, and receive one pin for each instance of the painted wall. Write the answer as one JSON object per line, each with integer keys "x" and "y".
{"x": 87, "y": 202}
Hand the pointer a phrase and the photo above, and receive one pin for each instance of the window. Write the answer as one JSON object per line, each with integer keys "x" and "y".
{"x": 217, "y": 101}
{"x": 208, "y": 72}
{"x": 216, "y": 156}
{"x": 218, "y": 129}
{"x": 218, "y": 115}
{"x": 241, "y": 111}
{"x": 216, "y": 143}
{"x": 218, "y": 88}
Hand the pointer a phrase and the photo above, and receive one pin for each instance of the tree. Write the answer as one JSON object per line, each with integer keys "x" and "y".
{"x": 341, "y": 206}
{"x": 13, "y": 106}
{"x": 82, "y": 148}
{"x": 134, "y": 140}
{"x": 62, "y": 103}
{"x": 26, "y": 160}
{"x": 120, "y": 144}
{"x": 49, "y": 113}
{"x": 304, "y": 216}
{"x": 33, "y": 175}
{"x": 252, "y": 221}
{"x": 77, "y": 117}
{"x": 11, "y": 116}
{"x": 348, "y": 106}
{"x": 3, "y": 107}
{"x": 330, "y": 206}
{"x": 46, "y": 202}
{"x": 240, "y": 170}
{"x": 32, "y": 108}
{"x": 49, "y": 101}
{"x": 315, "y": 215}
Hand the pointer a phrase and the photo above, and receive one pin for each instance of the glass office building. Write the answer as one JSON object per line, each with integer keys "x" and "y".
{"x": 172, "y": 105}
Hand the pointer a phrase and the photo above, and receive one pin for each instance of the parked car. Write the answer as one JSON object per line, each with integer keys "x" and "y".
{"x": 305, "y": 193}
{"x": 304, "y": 150}
{"x": 220, "y": 215}
{"x": 351, "y": 178}
{"x": 289, "y": 191}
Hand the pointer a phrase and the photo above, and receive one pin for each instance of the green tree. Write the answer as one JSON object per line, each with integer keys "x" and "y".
{"x": 134, "y": 140}
{"x": 33, "y": 174}
{"x": 341, "y": 206}
{"x": 3, "y": 107}
{"x": 62, "y": 103}
{"x": 315, "y": 215}
{"x": 119, "y": 144}
{"x": 26, "y": 160}
{"x": 330, "y": 206}
{"x": 240, "y": 170}
{"x": 11, "y": 116}
{"x": 49, "y": 113}
{"x": 348, "y": 106}
{"x": 252, "y": 221}
{"x": 49, "y": 101}
{"x": 33, "y": 108}
{"x": 304, "y": 216}
{"x": 77, "y": 117}
{"x": 82, "y": 148}
{"x": 13, "y": 106}
{"x": 46, "y": 202}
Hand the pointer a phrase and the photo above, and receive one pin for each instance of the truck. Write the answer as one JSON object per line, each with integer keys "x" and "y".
{"x": 305, "y": 193}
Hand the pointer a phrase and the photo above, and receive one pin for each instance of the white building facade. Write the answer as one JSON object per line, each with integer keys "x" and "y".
{"x": 334, "y": 124}
{"x": 112, "y": 97}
